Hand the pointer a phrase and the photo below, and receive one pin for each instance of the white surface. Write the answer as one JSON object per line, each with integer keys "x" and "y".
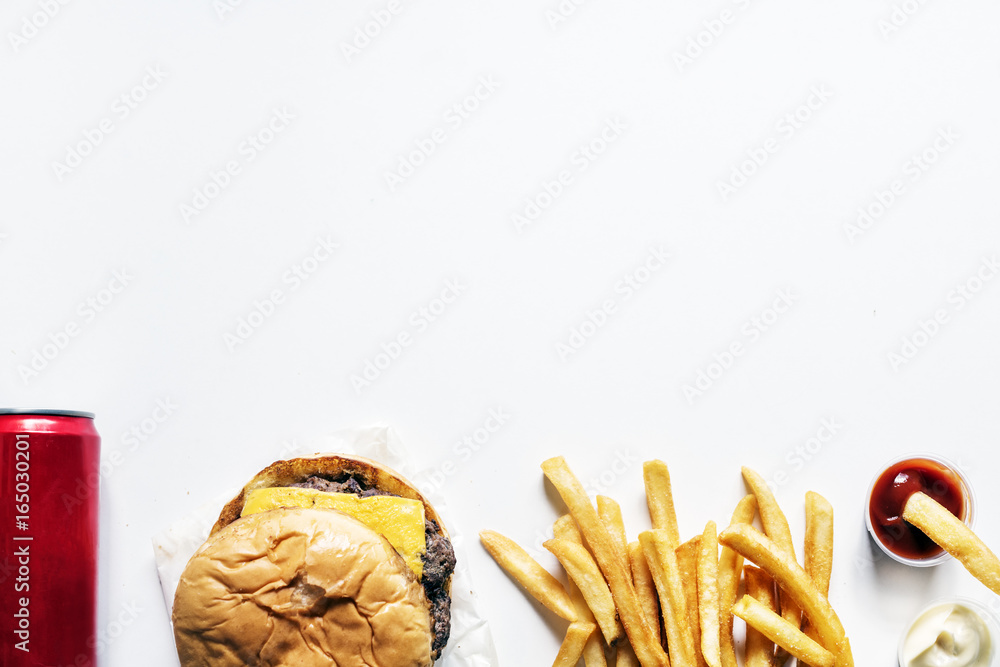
{"x": 620, "y": 398}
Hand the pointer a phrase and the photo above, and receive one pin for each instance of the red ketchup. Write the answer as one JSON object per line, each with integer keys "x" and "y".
{"x": 891, "y": 491}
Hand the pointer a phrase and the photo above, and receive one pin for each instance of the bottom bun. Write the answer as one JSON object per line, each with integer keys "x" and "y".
{"x": 300, "y": 587}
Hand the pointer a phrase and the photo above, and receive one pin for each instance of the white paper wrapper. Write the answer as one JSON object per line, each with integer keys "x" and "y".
{"x": 471, "y": 643}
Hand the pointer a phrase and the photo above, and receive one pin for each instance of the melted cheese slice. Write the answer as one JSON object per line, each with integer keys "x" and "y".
{"x": 400, "y": 520}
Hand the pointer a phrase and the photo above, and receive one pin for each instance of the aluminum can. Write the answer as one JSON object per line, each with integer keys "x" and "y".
{"x": 49, "y": 489}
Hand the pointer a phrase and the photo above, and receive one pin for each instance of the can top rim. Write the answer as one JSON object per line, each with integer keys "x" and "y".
{"x": 46, "y": 412}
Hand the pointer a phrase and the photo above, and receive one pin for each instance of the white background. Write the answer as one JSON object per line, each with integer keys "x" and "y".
{"x": 885, "y": 81}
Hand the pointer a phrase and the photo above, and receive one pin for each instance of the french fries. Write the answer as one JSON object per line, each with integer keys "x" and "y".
{"x": 818, "y": 558}
{"x": 640, "y": 634}
{"x": 730, "y": 566}
{"x": 708, "y": 596}
{"x": 526, "y": 571}
{"x": 760, "y": 586}
{"x": 645, "y": 587}
{"x": 687, "y": 565}
{"x": 611, "y": 514}
{"x": 583, "y": 571}
{"x": 660, "y": 499}
{"x": 759, "y": 549}
{"x": 663, "y": 565}
{"x": 775, "y": 527}
{"x": 572, "y": 647}
{"x": 620, "y": 594}
{"x": 564, "y": 528}
{"x": 819, "y": 540}
{"x": 952, "y": 535}
{"x": 782, "y": 633}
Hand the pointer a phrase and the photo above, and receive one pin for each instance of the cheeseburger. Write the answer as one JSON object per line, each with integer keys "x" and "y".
{"x": 325, "y": 560}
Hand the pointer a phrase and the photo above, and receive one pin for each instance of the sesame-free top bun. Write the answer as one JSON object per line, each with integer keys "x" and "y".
{"x": 300, "y": 587}
{"x": 291, "y": 471}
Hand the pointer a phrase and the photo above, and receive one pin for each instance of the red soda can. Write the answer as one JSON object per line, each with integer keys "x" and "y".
{"x": 49, "y": 486}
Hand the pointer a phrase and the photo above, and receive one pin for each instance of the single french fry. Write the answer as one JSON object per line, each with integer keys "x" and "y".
{"x": 526, "y": 571}
{"x": 572, "y": 647}
{"x": 640, "y": 634}
{"x": 818, "y": 559}
{"x": 782, "y": 633}
{"x": 952, "y": 535}
{"x": 730, "y": 567}
{"x": 660, "y": 499}
{"x": 645, "y": 587}
{"x": 792, "y": 578}
{"x": 708, "y": 596}
{"x": 584, "y": 572}
{"x": 611, "y": 514}
{"x": 687, "y": 565}
{"x": 760, "y": 586}
{"x": 775, "y": 527}
{"x": 663, "y": 566}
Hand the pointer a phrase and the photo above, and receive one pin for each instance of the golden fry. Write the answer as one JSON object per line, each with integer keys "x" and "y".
{"x": 572, "y": 647}
{"x": 663, "y": 566}
{"x": 565, "y": 528}
{"x": 730, "y": 567}
{"x": 760, "y": 586}
{"x": 583, "y": 571}
{"x": 526, "y": 571}
{"x": 775, "y": 527}
{"x": 645, "y": 588}
{"x": 687, "y": 565}
{"x": 788, "y": 574}
{"x": 640, "y": 634}
{"x": 818, "y": 559}
{"x": 952, "y": 535}
{"x": 660, "y": 499}
{"x": 708, "y": 596}
{"x": 782, "y": 633}
{"x": 819, "y": 540}
{"x": 611, "y": 514}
